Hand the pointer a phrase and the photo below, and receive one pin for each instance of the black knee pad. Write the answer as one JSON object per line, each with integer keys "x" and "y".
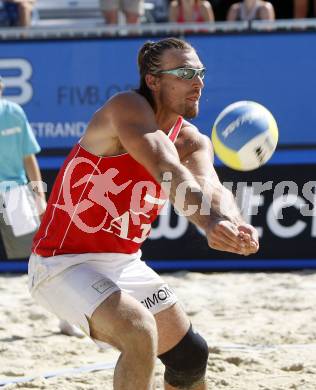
{"x": 186, "y": 362}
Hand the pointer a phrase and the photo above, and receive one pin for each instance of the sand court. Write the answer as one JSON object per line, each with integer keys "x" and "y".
{"x": 260, "y": 328}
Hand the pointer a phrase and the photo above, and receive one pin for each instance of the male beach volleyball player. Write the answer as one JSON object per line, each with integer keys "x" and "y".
{"x": 86, "y": 263}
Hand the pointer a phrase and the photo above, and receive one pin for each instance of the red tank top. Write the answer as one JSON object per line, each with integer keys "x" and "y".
{"x": 100, "y": 205}
{"x": 197, "y": 15}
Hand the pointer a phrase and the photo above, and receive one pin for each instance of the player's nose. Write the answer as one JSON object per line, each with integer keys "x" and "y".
{"x": 198, "y": 81}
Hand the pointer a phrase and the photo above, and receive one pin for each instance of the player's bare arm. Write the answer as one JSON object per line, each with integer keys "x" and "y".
{"x": 153, "y": 149}
{"x": 196, "y": 153}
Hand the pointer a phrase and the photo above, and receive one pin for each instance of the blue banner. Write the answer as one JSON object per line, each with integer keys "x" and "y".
{"x": 61, "y": 83}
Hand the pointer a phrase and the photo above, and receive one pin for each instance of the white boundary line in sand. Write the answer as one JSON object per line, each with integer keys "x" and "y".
{"x": 260, "y": 347}
{"x": 107, "y": 366}
{"x": 64, "y": 372}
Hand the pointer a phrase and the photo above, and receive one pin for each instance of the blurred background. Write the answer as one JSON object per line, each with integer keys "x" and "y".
{"x": 61, "y": 60}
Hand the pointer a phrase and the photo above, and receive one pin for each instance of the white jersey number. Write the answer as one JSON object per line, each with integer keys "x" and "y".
{"x": 120, "y": 226}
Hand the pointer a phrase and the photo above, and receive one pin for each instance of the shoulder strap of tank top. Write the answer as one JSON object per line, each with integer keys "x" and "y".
{"x": 175, "y": 129}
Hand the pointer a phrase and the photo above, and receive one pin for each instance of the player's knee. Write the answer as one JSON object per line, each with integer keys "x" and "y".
{"x": 186, "y": 362}
{"x": 142, "y": 334}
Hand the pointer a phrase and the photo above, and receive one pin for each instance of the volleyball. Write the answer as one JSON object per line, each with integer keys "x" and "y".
{"x": 245, "y": 135}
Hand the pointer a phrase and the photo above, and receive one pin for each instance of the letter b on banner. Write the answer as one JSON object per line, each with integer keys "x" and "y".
{"x": 19, "y": 81}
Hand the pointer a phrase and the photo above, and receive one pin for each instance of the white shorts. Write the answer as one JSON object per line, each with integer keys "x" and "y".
{"x": 73, "y": 286}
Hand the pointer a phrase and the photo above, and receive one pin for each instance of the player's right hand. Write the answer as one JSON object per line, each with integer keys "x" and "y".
{"x": 223, "y": 235}
{"x": 249, "y": 235}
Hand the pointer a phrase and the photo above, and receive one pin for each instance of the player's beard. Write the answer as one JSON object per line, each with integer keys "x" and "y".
{"x": 191, "y": 111}
{"x": 185, "y": 109}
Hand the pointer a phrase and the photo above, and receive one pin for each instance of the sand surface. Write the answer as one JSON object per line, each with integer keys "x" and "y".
{"x": 260, "y": 327}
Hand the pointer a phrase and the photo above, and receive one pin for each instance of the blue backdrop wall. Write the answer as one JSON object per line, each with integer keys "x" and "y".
{"x": 61, "y": 83}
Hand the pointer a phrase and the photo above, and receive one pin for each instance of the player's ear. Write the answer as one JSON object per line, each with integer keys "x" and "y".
{"x": 152, "y": 81}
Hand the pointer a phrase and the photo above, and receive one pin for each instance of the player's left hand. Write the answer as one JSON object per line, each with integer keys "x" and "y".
{"x": 249, "y": 236}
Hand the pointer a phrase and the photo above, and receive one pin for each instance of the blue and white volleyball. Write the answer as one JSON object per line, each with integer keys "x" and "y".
{"x": 245, "y": 135}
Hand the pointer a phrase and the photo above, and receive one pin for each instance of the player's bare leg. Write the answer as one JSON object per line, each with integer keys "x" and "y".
{"x": 173, "y": 324}
{"x": 132, "y": 18}
{"x": 25, "y": 14}
{"x": 111, "y": 17}
{"x": 300, "y": 9}
{"x": 124, "y": 323}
